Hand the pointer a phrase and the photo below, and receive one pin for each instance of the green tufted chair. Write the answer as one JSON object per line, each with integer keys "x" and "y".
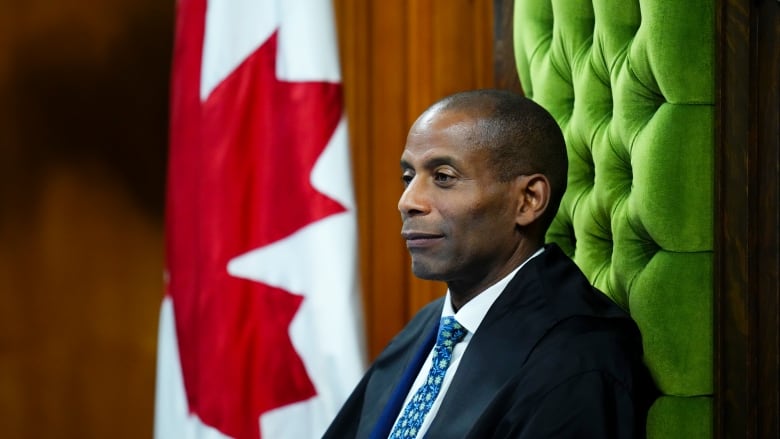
{"x": 632, "y": 85}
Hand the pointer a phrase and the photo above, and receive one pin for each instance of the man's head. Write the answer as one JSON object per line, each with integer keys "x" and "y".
{"x": 484, "y": 173}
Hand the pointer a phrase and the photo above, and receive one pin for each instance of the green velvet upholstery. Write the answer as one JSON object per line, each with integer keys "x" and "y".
{"x": 632, "y": 86}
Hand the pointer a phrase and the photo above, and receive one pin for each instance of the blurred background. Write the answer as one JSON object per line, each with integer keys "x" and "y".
{"x": 83, "y": 138}
{"x": 83, "y": 142}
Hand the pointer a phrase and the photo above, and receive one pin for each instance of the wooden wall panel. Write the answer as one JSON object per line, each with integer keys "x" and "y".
{"x": 505, "y": 69}
{"x": 398, "y": 58}
{"x": 83, "y": 104}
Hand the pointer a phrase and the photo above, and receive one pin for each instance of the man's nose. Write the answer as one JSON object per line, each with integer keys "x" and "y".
{"x": 413, "y": 200}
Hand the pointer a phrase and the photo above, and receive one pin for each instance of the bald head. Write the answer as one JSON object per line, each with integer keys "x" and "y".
{"x": 521, "y": 136}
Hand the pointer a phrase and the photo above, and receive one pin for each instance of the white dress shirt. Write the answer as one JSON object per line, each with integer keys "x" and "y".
{"x": 470, "y": 316}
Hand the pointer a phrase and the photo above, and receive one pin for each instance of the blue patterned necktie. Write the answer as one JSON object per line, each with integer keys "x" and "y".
{"x": 450, "y": 334}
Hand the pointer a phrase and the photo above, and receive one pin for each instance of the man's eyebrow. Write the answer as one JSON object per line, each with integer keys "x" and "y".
{"x": 432, "y": 162}
{"x": 441, "y": 160}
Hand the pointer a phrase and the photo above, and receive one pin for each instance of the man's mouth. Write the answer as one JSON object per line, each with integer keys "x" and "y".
{"x": 421, "y": 239}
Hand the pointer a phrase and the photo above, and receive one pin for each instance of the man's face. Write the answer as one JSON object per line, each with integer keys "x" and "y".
{"x": 458, "y": 219}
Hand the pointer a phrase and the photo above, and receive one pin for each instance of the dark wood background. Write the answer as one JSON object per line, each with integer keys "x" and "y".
{"x": 747, "y": 226}
{"x": 83, "y": 110}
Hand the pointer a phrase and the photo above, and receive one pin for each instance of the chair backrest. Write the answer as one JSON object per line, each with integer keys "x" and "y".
{"x": 632, "y": 86}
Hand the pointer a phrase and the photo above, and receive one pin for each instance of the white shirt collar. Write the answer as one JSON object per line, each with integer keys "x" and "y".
{"x": 471, "y": 314}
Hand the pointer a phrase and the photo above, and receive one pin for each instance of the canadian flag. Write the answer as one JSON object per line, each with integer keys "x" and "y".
{"x": 260, "y": 329}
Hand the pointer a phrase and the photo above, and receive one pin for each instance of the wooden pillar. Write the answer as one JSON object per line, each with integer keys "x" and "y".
{"x": 747, "y": 228}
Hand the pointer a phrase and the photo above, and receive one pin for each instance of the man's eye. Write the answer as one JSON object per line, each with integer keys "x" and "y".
{"x": 406, "y": 179}
{"x": 441, "y": 177}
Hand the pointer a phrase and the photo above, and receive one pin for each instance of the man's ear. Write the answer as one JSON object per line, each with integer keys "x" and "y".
{"x": 534, "y": 196}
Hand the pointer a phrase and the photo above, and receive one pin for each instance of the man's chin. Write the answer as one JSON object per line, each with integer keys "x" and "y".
{"x": 426, "y": 271}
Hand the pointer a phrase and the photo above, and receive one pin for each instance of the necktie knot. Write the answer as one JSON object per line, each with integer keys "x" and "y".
{"x": 450, "y": 332}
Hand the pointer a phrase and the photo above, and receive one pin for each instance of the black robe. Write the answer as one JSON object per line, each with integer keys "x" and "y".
{"x": 553, "y": 358}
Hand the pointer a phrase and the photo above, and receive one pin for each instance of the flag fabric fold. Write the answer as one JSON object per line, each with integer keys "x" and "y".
{"x": 260, "y": 329}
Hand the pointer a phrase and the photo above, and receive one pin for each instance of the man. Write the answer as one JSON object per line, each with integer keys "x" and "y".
{"x": 533, "y": 351}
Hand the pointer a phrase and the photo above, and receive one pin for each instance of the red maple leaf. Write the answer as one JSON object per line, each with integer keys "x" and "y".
{"x": 239, "y": 179}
